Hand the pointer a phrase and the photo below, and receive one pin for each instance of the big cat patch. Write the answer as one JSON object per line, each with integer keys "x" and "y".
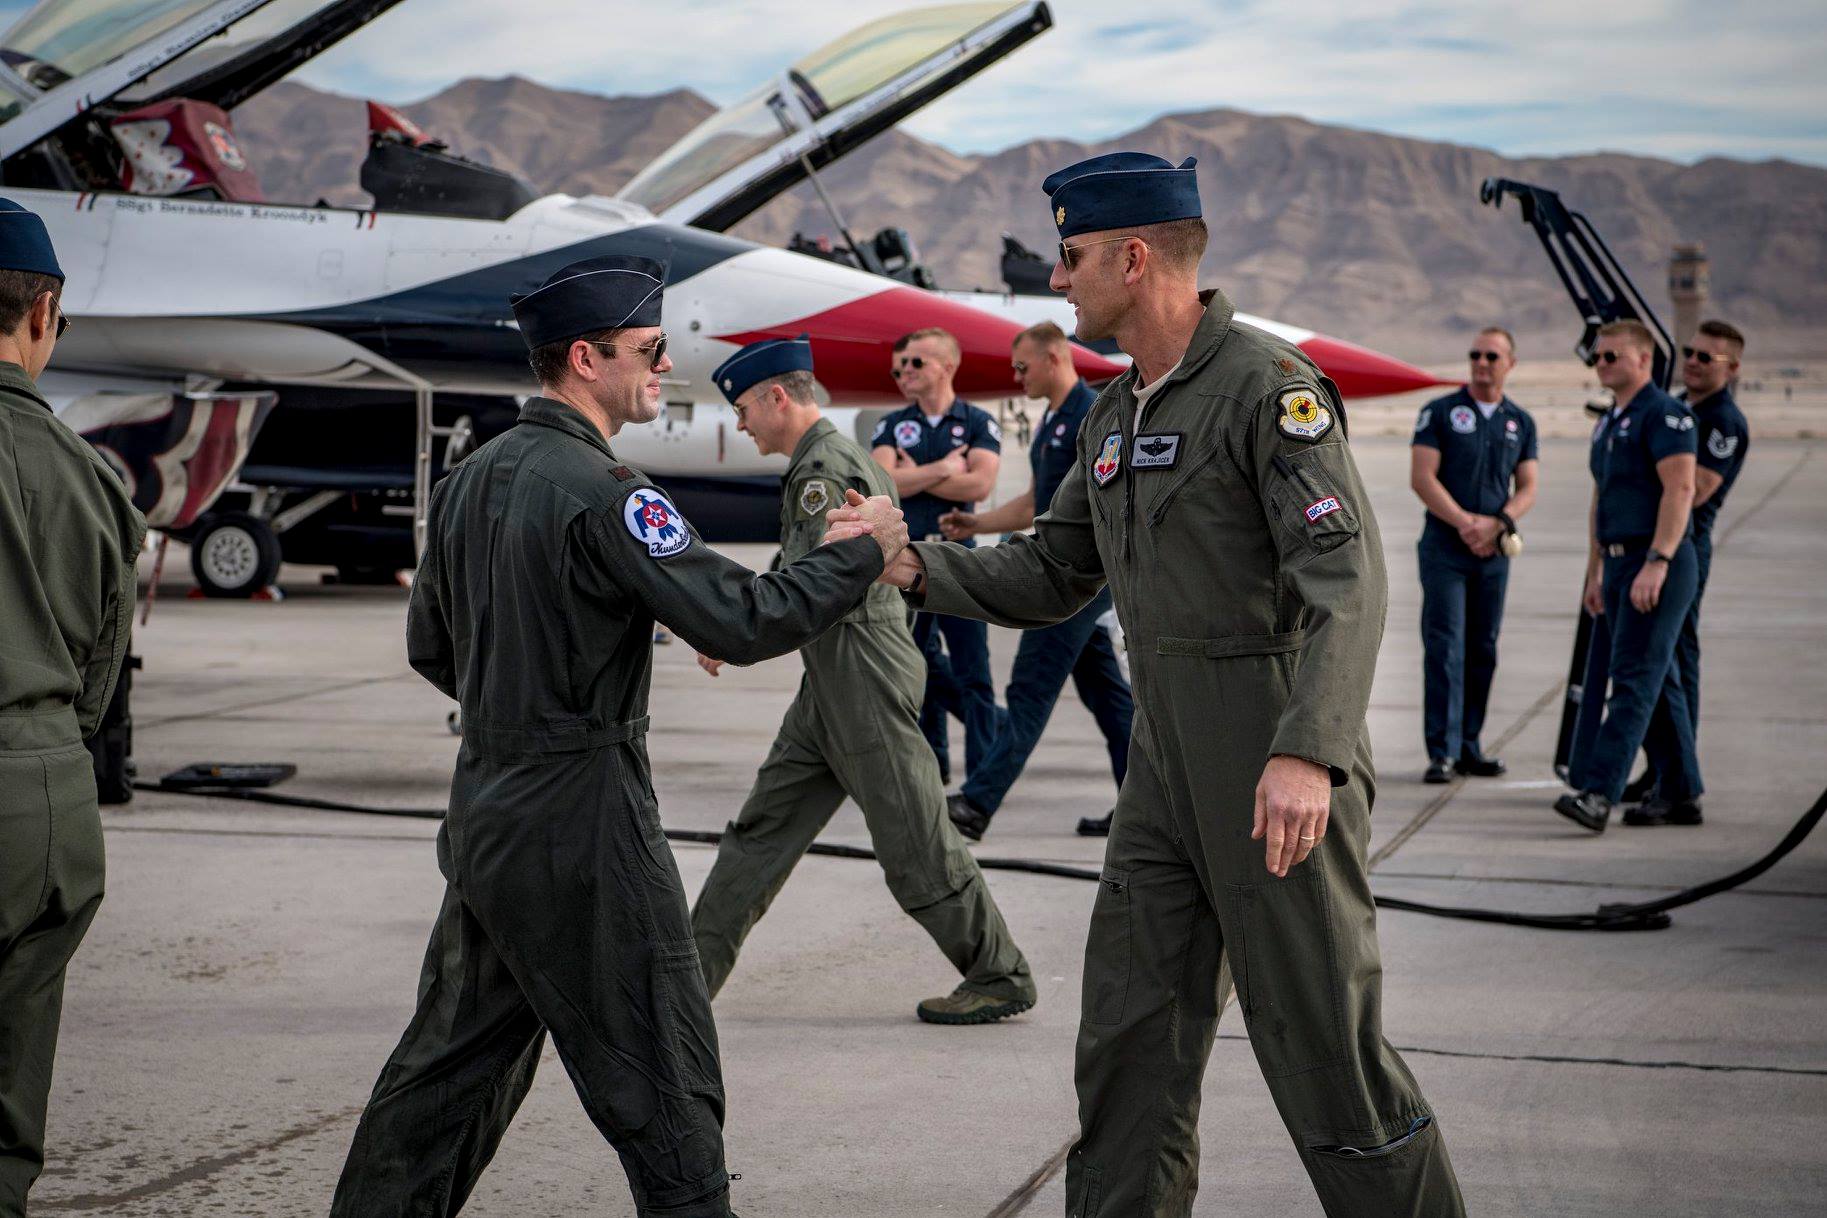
{"x": 655, "y": 523}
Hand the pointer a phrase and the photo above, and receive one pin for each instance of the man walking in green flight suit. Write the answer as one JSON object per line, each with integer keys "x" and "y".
{"x": 1216, "y": 495}
{"x": 69, "y": 536}
{"x": 853, "y": 729}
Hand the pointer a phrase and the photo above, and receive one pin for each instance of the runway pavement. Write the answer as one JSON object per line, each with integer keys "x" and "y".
{"x": 252, "y": 967}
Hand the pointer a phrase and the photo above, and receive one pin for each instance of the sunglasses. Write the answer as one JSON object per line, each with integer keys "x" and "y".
{"x": 1068, "y": 254}
{"x": 1604, "y": 357}
{"x": 655, "y": 351}
{"x": 63, "y": 323}
{"x": 913, "y": 361}
{"x": 1491, "y": 356}
{"x": 1703, "y": 358}
{"x": 1020, "y": 366}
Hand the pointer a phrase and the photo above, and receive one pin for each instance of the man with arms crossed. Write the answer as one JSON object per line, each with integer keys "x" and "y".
{"x": 547, "y": 564}
{"x": 1216, "y": 495}
{"x": 1078, "y": 647}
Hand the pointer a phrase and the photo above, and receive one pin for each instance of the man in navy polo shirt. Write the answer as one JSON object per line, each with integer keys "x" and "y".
{"x": 1640, "y": 580}
{"x": 1473, "y": 464}
{"x": 943, "y": 454}
{"x": 1709, "y": 365}
{"x": 1077, "y": 647}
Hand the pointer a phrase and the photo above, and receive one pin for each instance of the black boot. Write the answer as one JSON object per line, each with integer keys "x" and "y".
{"x": 1655, "y": 812}
{"x": 1639, "y": 789}
{"x": 1095, "y": 826}
{"x": 1589, "y": 809}
{"x": 1477, "y": 765}
{"x": 968, "y": 817}
{"x": 1437, "y": 772}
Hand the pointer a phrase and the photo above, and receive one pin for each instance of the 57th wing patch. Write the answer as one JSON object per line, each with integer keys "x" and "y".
{"x": 814, "y": 497}
{"x": 1303, "y": 416}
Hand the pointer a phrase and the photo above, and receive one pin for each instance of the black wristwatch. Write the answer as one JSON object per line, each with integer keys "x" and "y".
{"x": 1509, "y": 526}
{"x": 1656, "y": 555}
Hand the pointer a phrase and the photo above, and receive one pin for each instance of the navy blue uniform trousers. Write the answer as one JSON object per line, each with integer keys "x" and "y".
{"x": 1635, "y": 653}
{"x": 1461, "y": 611}
{"x": 1078, "y": 648}
{"x": 958, "y": 683}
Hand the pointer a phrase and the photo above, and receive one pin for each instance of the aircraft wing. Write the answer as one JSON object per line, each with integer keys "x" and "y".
{"x": 826, "y": 105}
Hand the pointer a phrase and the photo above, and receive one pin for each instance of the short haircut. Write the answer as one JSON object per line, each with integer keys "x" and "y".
{"x": 1714, "y": 328}
{"x": 1044, "y": 334}
{"x": 1507, "y": 337}
{"x": 800, "y": 385}
{"x": 1179, "y": 243}
{"x": 943, "y": 336}
{"x": 552, "y": 362}
{"x": 18, "y": 289}
{"x": 1631, "y": 329}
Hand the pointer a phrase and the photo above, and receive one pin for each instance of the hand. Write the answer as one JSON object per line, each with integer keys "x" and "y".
{"x": 958, "y": 525}
{"x": 954, "y": 463}
{"x": 883, "y": 520}
{"x": 1594, "y": 600}
{"x": 1480, "y": 534}
{"x": 1646, "y": 589}
{"x": 709, "y": 665}
{"x": 902, "y": 460}
{"x": 1293, "y": 804}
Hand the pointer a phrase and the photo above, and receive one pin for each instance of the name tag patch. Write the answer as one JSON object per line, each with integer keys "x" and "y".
{"x": 655, "y": 523}
{"x": 1109, "y": 458}
{"x": 1321, "y": 508}
{"x": 1156, "y": 452}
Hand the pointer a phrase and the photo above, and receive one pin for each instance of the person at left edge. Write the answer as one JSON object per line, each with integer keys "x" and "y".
{"x": 1078, "y": 647}
{"x": 1640, "y": 580}
{"x": 547, "y": 563}
{"x": 853, "y": 729}
{"x": 69, "y": 535}
{"x": 943, "y": 454}
{"x": 1473, "y": 464}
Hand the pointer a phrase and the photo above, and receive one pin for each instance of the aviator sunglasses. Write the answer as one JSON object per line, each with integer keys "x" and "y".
{"x": 912, "y": 361}
{"x": 1703, "y": 358}
{"x": 1475, "y": 356}
{"x": 655, "y": 350}
{"x": 1068, "y": 254}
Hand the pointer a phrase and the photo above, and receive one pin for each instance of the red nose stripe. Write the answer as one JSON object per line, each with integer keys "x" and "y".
{"x": 853, "y": 343}
{"x": 1362, "y": 373}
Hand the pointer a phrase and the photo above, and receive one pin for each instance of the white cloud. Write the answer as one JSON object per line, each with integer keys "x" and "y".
{"x": 1677, "y": 78}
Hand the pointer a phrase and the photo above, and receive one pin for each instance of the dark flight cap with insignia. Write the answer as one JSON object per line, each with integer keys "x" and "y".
{"x": 24, "y": 244}
{"x": 1121, "y": 190}
{"x": 613, "y": 292}
{"x": 760, "y": 360}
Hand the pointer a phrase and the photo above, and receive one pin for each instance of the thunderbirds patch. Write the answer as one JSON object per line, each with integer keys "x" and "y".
{"x": 1302, "y": 416}
{"x": 655, "y": 523}
{"x": 906, "y": 433}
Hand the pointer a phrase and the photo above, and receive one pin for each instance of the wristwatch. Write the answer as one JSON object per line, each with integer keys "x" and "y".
{"x": 1656, "y": 555}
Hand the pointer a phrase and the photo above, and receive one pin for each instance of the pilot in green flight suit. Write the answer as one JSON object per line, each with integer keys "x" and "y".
{"x": 852, "y": 730}
{"x": 69, "y": 536}
{"x": 547, "y": 565}
{"x": 1216, "y": 495}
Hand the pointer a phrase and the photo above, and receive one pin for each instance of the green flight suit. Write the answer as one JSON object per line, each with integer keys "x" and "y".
{"x": 1248, "y": 574}
{"x": 854, "y": 729}
{"x": 69, "y": 536}
{"x": 547, "y": 564}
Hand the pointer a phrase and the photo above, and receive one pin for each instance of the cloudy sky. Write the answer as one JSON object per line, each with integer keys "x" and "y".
{"x": 1683, "y": 79}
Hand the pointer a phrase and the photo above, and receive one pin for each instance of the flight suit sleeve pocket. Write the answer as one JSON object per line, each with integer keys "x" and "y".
{"x": 1310, "y": 496}
{"x": 1284, "y": 959}
{"x": 1107, "y": 955}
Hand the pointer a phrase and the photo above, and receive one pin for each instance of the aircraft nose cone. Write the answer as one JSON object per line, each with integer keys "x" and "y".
{"x": 1360, "y": 372}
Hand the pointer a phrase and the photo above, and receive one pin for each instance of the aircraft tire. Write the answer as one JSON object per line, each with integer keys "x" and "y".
{"x": 234, "y": 555}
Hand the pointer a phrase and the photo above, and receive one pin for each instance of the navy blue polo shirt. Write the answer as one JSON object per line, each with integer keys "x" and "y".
{"x": 1625, "y": 448}
{"x": 1055, "y": 445}
{"x": 1724, "y": 435}
{"x": 1478, "y": 456}
{"x": 962, "y": 426}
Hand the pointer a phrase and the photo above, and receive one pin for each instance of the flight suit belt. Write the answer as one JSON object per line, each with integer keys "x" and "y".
{"x": 1232, "y": 645}
{"x": 52, "y": 729}
{"x": 510, "y": 743}
{"x": 1618, "y": 549}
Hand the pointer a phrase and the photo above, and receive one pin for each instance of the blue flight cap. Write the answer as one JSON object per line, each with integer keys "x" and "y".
{"x": 758, "y": 361}
{"x": 1121, "y": 190}
{"x": 24, "y": 245}
{"x": 613, "y": 292}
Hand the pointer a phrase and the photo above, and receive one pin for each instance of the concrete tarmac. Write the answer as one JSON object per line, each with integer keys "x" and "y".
{"x": 251, "y": 967}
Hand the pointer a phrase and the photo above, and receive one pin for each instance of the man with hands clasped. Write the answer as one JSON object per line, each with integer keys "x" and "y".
{"x": 1216, "y": 496}
{"x": 853, "y": 730}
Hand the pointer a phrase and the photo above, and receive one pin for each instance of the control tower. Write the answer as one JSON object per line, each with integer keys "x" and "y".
{"x": 1687, "y": 287}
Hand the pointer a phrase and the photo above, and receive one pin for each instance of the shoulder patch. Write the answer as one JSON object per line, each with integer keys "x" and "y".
{"x": 994, "y": 428}
{"x": 815, "y": 497}
{"x": 655, "y": 523}
{"x": 1303, "y": 416}
{"x": 1109, "y": 458}
{"x": 1426, "y": 417}
{"x": 1464, "y": 420}
{"x": 1679, "y": 422}
{"x": 1721, "y": 445}
{"x": 907, "y": 433}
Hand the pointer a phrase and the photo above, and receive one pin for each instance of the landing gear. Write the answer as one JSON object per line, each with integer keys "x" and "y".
{"x": 234, "y": 555}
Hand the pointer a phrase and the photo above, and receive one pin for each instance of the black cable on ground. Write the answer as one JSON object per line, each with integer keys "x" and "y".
{"x": 1645, "y": 915}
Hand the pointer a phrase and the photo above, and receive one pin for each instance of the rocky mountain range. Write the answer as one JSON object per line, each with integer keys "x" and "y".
{"x": 1376, "y": 238}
